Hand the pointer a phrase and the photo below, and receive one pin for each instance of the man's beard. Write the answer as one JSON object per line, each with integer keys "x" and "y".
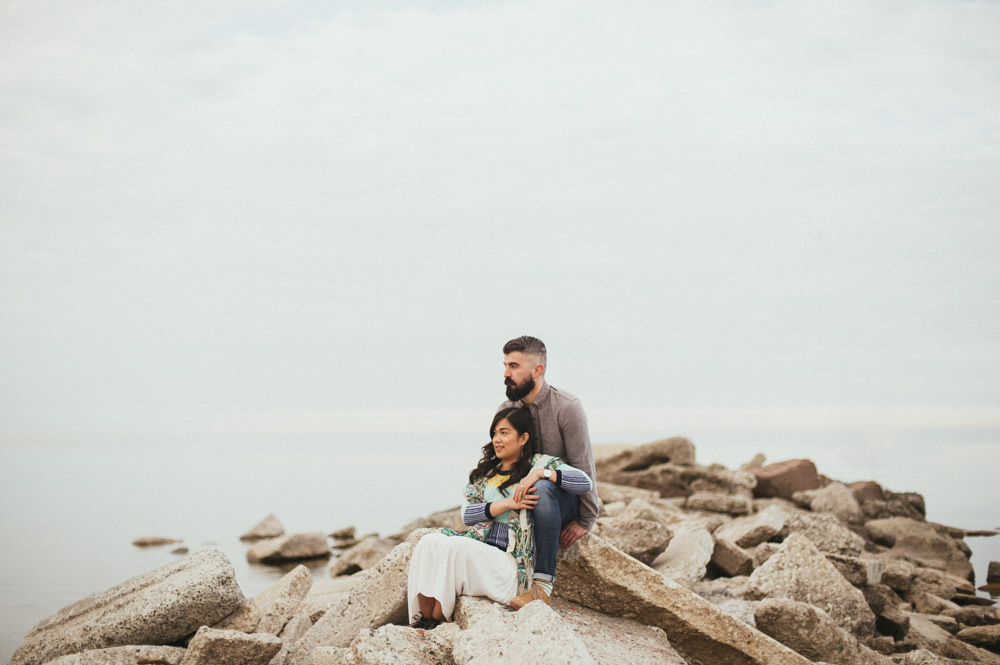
{"x": 515, "y": 393}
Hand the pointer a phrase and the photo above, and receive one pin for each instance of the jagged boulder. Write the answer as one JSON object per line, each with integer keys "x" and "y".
{"x": 675, "y": 480}
{"x": 783, "y": 479}
{"x": 730, "y": 559}
{"x": 676, "y": 450}
{"x": 129, "y": 655}
{"x": 825, "y": 531}
{"x": 290, "y": 548}
{"x": 984, "y": 637}
{"x": 643, "y": 539}
{"x": 378, "y": 597}
{"x": 923, "y": 543}
{"x": 273, "y": 607}
{"x": 397, "y": 644}
{"x": 799, "y": 571}
{"x": 811, "y": 632}
{"x": 361, "y": 556}
{"x": 835, "y": 498}
{"x": 269, "y": 527}
{"x": 158, "y": 607}
{"x": 212, "y": 646}
{"x": 324, "y": 594}
{"x": 721, "y": 502}
{"x": 686, "y": 559}
{"x": 754, "y": 529}
{"x": 599, "y": 576}
{"x": 520, "y": 637}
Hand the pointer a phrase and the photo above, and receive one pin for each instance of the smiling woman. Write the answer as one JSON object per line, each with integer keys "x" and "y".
{"x": 496, "y": 556}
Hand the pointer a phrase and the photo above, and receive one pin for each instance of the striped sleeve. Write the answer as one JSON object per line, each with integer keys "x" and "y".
{"x": 573, "y": 480}
{"x": 474, "y": 513}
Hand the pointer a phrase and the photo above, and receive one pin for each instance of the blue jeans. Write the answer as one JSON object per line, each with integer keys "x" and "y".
{"x": 555, "y": 508}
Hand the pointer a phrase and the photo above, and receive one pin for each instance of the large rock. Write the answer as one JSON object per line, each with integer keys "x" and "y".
{"x": 799, "y": 571}
{"x": 754, "y": 529}
{"x": 324, "y": 594}
{"x": 643, "y": 539}
{"x": 835, "y": 498}
{"x": 294, "y": 547}
{"x": 129, "y": 655}
{"x": 674, "y": 480}
{"x": 598, "y": 575}
{"x": 293, "y": 631}
{"x": 783, "y": 479}
{"x": 984, "y": 637}
{"x": 653, "y": 510}
{"x": 731, "y": 559}
{"x": 611, "y": 493}
{"x": 925, "y": 633}
{"x": 269, "y": 611}
{"x": 361, "y": 556}
{"x": 278, "y": 603}
{"x": 616, "y": 640}
{"x": 676, "y": 450}
{"x": 811, "y": 632}
{"x": 158, "y": 607}
{"x": 269, "y": 527}
{"x": 610, "y": 640}
{"x": 826, "y": 533}
{"x": 721, "y": 502}
{"x": 378, "y": 597}
{"x": 400, "y": 644}
{"x": 520, "y": 637}
{"x": 211, "y": 646}
{"x": 686, "y": 559}
{"x": 922, "y": 543}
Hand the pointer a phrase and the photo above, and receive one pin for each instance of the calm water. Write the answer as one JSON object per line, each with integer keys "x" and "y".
{"x": 73, "y": 504}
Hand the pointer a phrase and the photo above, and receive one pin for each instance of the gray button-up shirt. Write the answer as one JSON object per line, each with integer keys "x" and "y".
{"x": 561, "y": 430}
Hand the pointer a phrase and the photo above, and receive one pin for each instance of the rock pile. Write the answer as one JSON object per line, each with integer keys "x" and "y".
{"x": 688, "y": 564}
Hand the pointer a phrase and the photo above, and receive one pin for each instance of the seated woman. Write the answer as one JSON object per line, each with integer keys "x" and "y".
{"x": 494, "y": 556}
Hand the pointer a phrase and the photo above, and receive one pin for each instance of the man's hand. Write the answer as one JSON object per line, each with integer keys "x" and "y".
{"x": 571, "y": 533}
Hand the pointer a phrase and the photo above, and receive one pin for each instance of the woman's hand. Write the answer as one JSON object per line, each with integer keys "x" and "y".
{"x": 526, "y": 483}
{"x": 529, "y": 500}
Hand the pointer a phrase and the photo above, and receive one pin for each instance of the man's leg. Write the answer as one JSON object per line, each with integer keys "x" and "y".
{"x": 555, "y": 507}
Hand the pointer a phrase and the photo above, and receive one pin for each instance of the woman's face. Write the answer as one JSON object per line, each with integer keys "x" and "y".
{"x": 507, "y": 443}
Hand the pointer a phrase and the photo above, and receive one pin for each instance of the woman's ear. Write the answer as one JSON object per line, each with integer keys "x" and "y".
{"x": 523, "y": 439}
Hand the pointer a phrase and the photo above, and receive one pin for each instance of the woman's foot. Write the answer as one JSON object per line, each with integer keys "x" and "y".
{"x": 424, "y": 623}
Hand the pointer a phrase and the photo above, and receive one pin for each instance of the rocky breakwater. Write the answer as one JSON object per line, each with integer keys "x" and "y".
{"x": 688, "y": 564}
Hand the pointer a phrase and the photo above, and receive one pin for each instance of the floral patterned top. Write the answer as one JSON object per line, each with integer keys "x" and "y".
{"x": 520, "y": 538}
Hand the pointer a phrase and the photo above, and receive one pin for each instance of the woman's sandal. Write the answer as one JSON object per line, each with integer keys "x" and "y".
{"x": 421, "y": 622}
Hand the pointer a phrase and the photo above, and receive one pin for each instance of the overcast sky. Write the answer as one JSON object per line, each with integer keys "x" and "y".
{"x": 270, "y": 214}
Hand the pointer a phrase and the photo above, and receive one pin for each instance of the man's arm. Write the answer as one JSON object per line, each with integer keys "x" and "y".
{"x": 579, "y": 453}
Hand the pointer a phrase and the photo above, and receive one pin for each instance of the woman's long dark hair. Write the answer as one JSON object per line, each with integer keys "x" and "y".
{"x": 519, "y": 418}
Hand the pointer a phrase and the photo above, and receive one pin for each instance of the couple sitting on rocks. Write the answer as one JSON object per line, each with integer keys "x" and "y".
{"x": 532, "y": 492}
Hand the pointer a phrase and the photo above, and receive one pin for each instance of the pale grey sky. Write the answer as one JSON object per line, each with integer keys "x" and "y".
{"x": 276, "y": 213}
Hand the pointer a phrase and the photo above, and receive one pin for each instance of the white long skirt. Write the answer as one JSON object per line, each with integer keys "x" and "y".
{"x": 445, "y": 567}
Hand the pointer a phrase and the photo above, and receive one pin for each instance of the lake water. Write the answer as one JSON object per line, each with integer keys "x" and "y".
{"x": 73, "y": 503}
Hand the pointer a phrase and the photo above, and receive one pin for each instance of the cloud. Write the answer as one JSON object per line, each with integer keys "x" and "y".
{"x": 298, "y": 203}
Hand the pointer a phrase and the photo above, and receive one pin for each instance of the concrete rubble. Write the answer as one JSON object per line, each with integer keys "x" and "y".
{"x": 768, "y": 564}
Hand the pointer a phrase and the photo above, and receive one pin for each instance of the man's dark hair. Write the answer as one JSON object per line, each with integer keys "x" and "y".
{"x": 529, "y": 346}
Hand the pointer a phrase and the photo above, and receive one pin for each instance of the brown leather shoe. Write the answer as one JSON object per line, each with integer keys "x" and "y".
{"x": 534, "y": 593}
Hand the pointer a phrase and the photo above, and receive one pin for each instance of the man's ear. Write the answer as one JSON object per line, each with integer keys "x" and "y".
{"x": 537, "y": 371}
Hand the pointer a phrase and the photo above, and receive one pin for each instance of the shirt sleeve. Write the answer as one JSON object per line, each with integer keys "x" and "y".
{"x": 475, "y": 513}
{"x": 573, "y": 480}
{"x": 579, "y": 454}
